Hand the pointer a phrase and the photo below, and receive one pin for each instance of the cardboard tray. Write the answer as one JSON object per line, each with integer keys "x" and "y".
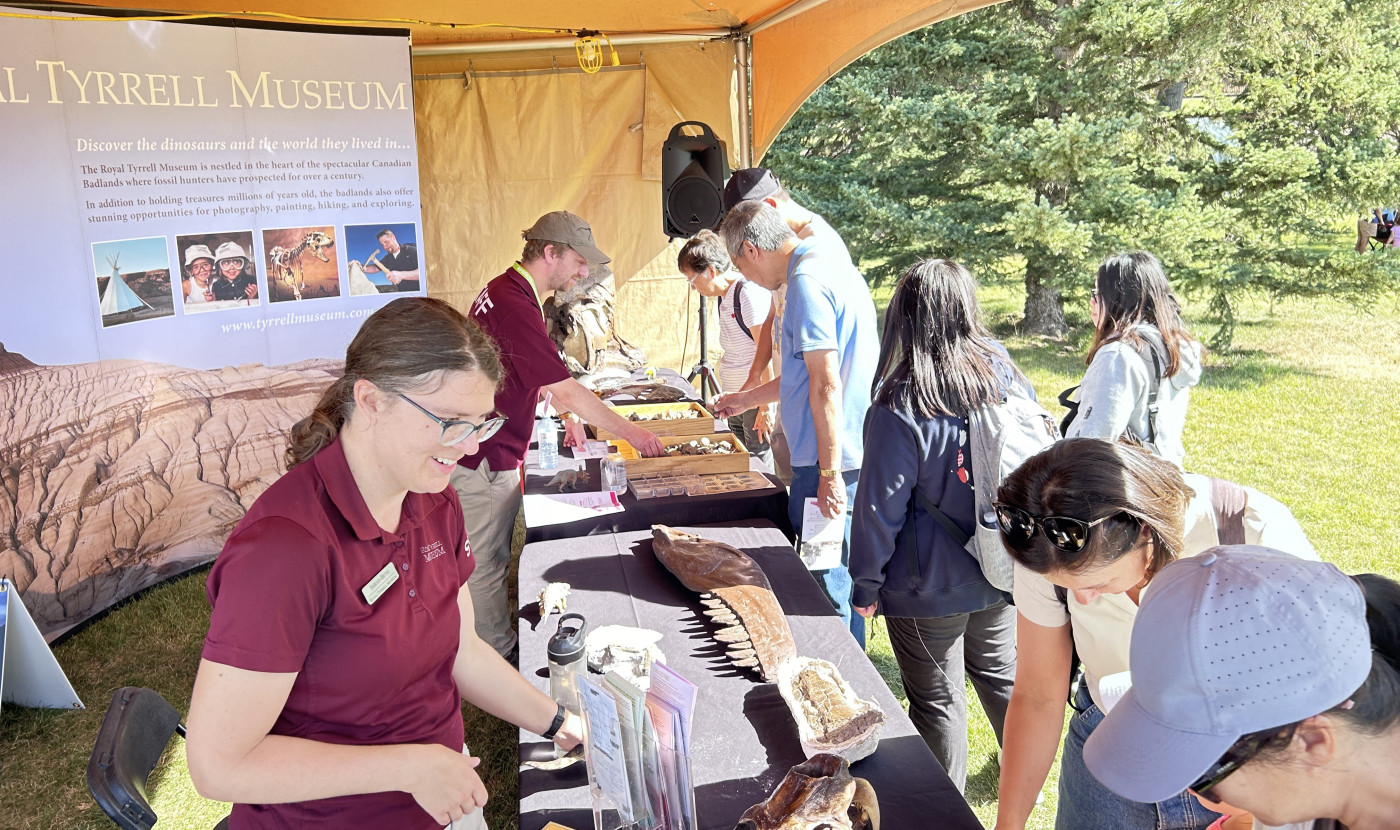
{"x": 735, "y": 462}
{"x": 704, "y": 424}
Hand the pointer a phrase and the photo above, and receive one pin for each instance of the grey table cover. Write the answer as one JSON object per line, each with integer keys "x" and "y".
{"x": 744, "y": 740}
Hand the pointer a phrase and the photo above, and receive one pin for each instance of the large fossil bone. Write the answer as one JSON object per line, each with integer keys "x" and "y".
{"x": 817, "y": 793}
{"x": 830, "y": 717}
{"x": 736, "y": 595}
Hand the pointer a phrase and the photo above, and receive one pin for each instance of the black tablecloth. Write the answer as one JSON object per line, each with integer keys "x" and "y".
{"x": 744, "y": 739}
{"x": 640, "y": 514}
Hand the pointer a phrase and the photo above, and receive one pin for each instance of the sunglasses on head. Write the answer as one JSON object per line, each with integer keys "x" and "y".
{"x": 1240, "y": 753}
{"x": 1018, "y": 528}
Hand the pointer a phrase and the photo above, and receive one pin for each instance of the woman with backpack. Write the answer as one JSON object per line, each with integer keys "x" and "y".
{"x": 1089, "y": 523}
{"x": 937, "y": 363}
{"x": 1302, "y": 726}
{"x": 1142, "y": 361}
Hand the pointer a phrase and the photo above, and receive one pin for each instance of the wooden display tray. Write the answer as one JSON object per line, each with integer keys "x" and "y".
{"x": 704, "y": 424}
{"x": 735, "y": 462}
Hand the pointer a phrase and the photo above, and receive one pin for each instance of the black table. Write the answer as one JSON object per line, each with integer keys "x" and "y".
{"x": 744, "y": 739}
{"x": 770, "y": 504}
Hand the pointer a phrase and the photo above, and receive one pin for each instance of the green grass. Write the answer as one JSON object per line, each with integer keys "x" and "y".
{"x": 1304, "y": 408}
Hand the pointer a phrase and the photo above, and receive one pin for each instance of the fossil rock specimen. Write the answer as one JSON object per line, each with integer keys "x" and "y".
{"x": 819, "y": 793}
{"x": 703, "y": 446}
{"x": 667, "y": 415}
{"x": 736, "y": 595}
{"x": 553, "y": 598}
{"x": 830, "y": 717}
{"x": 627, "y": 650}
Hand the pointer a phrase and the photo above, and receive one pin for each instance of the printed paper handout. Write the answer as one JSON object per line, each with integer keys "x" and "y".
{"x": 820, "y": 548}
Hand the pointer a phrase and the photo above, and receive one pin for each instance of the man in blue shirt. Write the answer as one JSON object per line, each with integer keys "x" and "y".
{"x": 829, "y": 350}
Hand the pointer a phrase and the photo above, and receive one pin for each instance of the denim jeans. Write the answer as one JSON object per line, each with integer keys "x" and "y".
{"x": 935, "y": 656}
{"x": 837, "y": 581}
{"x": 1085, "y": 804}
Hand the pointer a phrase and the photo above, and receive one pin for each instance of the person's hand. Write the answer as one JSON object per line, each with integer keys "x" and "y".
{"x": 570, "y": 734}
{"x": 831, "y": 496}
{"x": 866, "y": 611}
{"x": 445, "y": 783}
{"x": 251, "y": 291}
{"x": 725, "y": 406}
{"x": 574, "y": 436}
{"x": 646, "y": 443}
{"x": 395, "y": 277}
{"x": 209, "y": 295}
{"x": 763, "y": 423}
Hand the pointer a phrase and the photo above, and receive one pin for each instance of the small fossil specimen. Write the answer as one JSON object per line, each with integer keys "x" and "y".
{"x": 553, "y": 598}
{"x": 817, "y": 794}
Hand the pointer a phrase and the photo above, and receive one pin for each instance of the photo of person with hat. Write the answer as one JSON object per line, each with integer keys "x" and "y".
{"x": 235, "y": 280}
{"x": 559, "y": 248}
{"x": 1265, "y": 681}
{"x": 199, "y": 275}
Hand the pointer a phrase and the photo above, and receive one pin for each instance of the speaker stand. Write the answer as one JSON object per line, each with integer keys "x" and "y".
{"x": 708, "y": 386}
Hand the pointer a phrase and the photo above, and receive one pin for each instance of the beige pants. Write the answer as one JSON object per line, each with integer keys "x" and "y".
{"x": 490, "y": 501}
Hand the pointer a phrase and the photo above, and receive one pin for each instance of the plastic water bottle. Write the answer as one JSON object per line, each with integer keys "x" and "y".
{"x": 549, "y": 444}
{"x": 565, "y": 652}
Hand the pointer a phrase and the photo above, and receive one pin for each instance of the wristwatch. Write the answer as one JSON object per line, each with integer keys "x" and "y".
{"x": 828, "y": 473}
{"x": 553, "y": 729}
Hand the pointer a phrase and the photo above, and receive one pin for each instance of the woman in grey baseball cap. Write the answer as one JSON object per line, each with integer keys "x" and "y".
{"x": 1265, "y": 681}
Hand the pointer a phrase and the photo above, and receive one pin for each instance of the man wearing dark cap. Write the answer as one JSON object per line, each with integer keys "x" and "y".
{"x": 559, "y": 248}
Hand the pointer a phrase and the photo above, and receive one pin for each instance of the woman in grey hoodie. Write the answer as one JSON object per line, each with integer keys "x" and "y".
{"x": 1139, "y": 343}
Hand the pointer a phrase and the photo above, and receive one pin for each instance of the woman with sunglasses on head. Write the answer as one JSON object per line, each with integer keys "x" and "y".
{"x": 1089, "y": 523}
{"x": 937, "y": 363}
{"x": 1140, "y": 346}
{"x": 341, "y": 642}
{"x": 1295, "y": 717}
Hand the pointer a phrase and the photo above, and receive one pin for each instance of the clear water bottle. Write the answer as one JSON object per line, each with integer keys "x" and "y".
{"x": 549, "y": 444}
{"x": 565, "y": 659}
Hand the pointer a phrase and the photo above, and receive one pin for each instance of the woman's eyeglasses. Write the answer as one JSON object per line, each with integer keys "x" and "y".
{"x": 1240, "y": 753}
{"x": 1069, "y": 535}
{"x": 456, "y": 431}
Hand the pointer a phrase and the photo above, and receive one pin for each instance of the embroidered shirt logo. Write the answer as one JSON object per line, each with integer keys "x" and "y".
{"x": 433, "y": 551}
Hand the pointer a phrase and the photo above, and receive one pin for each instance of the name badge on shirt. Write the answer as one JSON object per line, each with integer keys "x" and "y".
{"x": 375, "y": 588}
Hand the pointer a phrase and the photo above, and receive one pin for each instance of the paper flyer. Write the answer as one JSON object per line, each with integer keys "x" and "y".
{"x": 821, "y": 538}
{"x": 605, "y": 755}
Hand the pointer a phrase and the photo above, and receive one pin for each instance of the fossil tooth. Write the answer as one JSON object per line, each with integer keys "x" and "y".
{"x": 747, "y": 662}
{"x": 713, "y": 602}
{"x": 708, "y": 567}
{"x": 739, "y": 653}
{"x": 732, "y": 634}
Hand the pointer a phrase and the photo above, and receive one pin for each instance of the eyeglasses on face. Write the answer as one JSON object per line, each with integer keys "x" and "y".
{"x": 1240, "y": 753}
{"x": 1069, "y": 535}
{"x": 455, "y": 431}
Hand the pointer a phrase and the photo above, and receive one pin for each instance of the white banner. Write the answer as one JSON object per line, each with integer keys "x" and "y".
{"x": 198, "y": 219}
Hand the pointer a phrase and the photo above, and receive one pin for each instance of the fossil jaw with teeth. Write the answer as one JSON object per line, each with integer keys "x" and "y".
{"x": 734, "y": 594}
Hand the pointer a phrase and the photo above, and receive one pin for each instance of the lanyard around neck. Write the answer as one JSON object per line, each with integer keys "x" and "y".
{"x": 519, "y": 269}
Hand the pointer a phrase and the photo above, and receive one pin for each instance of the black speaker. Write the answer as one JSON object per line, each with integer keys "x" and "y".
{"x": 693, "y": 170}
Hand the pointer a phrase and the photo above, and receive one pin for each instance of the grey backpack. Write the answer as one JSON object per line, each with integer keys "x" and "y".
{"x": 1001, "y": 436}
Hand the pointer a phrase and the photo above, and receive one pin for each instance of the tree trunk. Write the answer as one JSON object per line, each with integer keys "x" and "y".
{"x": 1045, "y": 313}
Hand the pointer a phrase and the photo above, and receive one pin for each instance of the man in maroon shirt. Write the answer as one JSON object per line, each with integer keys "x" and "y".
{"x": 559, "y": 248}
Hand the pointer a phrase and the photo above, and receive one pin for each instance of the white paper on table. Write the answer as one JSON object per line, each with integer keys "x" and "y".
{"x": 820, "y": 548}
{"x": 592, "y": 449}
{"x": 604, "y": 747}
{"x": 1112, "y": 687}
{"x": 543, "y": 509}
{"x": 721, "y": 425}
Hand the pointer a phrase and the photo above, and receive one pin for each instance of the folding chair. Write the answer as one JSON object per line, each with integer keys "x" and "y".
{"x": 137, "y": 726}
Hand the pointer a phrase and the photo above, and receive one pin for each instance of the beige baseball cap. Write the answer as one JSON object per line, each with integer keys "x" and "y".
{"x": 563, "y": 226}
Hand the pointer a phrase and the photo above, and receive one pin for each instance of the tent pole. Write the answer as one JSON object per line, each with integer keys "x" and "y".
{"x": 526, "y": 44}
{"x": 741, "y": 52}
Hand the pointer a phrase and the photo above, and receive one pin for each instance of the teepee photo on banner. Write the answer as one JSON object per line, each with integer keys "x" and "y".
{"x": 132, "y": 280}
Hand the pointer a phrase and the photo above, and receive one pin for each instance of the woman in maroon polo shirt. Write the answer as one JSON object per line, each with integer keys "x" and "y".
{"x": 341, "y": 641}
